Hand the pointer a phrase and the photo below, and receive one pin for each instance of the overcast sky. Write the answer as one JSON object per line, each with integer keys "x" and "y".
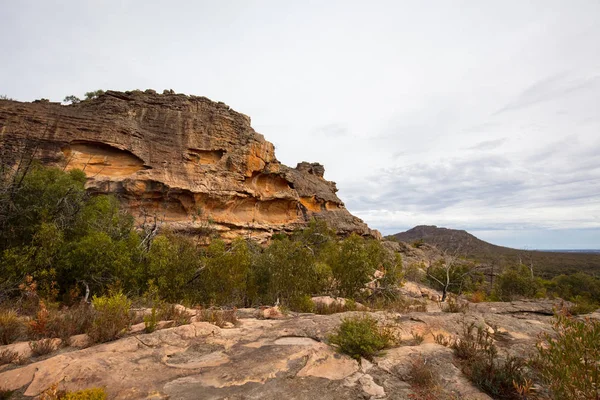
{"x": 477, "y": 115}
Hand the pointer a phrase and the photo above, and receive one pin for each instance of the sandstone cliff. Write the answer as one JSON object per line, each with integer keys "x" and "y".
{"x": 192, "y": 162}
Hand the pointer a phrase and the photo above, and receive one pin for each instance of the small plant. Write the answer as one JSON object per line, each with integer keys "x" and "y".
{"x": 39, "y": 325}
{"x": 442, "y": 339}
{"x": 70, "y": 321}
{"x": 218, "y": 317}
{"x": 42, "y": 347}
{"x": 417, "y": 337}
{"x": 361, "y": 337}
{"x": 569, "y": 360}
{"x": 173, "y": 312}
{"x": 112, "y": 317}
{"x": 421, "y": 373}
{"x": 150, "y": 321}
{"x": 7, "y": 356}
{"x": 335, "y": 307}
{"x": 10, "y": 326}
{"x": 53, "y": 393}
{"x": 502, "y": 379}
{"x": 303, "y": 304}
{"x": 453, "y": 305}
{"x": 477, "y": 297}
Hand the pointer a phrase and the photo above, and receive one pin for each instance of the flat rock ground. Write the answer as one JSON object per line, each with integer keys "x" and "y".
{"x": 286, "y": 358}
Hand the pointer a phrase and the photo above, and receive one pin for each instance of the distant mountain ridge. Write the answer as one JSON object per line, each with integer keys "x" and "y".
{"x": 547, "y": 263}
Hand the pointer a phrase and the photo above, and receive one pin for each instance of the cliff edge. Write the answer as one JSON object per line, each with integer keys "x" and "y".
{"x": 188, "y": 160}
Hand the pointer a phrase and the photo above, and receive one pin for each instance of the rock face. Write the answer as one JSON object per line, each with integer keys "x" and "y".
{"x": 190, "y": 161}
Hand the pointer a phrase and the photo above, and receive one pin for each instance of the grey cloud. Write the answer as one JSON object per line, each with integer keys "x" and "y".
{"x": 331, "y": 130}
{"x": 488, "y": 144}
{"x": 555, "y": 86}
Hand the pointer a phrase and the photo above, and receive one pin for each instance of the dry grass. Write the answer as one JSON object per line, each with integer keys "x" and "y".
{"x": 43, "y": 347}
{"x": 218, "y": 317}
{"x": 11, "y": 327}
{"x": 454, "y": 305}
{"x": 8, "y": 356}
{"x": 421, "y": 373}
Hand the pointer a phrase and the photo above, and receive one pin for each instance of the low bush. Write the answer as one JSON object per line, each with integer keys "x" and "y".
{"x": 8, "y": 356}
{"x": 453, "y": 305}
{"x": 335, "y": 307}
{"x": 173, "y": 312}
{"x": 421, "y": 373}
{"x": 150, "y": 321}
{"x": 303, "y": 304}
{"x": 11, "y": 326}
{"x": 361, "y": 337}
{"x": 569, "y": 359}
{"x": 70, "y": 321}
{"x": 53, "y": 393}
{"x": 417, "y": 337}
{"x": 42, "y": 347}
{"x": 500, "y": 378}
{"x": 218, "y": 317}
{"x": 112, "y": 317}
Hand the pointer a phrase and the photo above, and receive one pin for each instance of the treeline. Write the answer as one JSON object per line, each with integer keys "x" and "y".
{"x": 464, "y": 277}
{"x": 69, "y": 242}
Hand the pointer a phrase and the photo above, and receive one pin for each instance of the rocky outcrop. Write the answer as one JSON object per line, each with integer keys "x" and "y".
{"x": 194, "y": 163}
{"x": 277, "y": 358}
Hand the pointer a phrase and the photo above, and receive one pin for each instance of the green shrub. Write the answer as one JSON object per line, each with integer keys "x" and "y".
{"x": 569, "y": 359}
{"x": 53, "y": 393}
{"x": 87, "y": 394}
{"x": 303, "y": 304}
{"x": 361, "y": 337}
{"x": 150, "y": 321}
{"x": 11, "y": 326}
{"x": 516, "y": 282}
{"x": 500, "y": 378}
{"x": 112, "y": 317}
{"x": 354, "y": 262}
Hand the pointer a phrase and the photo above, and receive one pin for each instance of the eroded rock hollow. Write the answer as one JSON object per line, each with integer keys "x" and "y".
{"x": 186, "y": 159}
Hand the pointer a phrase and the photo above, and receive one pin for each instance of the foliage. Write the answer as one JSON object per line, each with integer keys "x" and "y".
{"x": 453, "y": 275}
{"x": 172, "y": 263}
{"x": 71, "y": 99}
{"x": 417, "y": 337}
{"x": 421, "y": 373}
{"x": 500, "y": 378}
{"x": 218, "y": 317}
{"x": 53, "y": 393}
{"x": 112, "y": 317}
{"x": 8, "y": 356}
{"x": 70, "y": 321}
{"x": 150, "y": 321}
{"x": 94, "y": 94}
{"x": 11, "y": 326}
{"x": 454, "y": 305}
{"x": 354, "y": 262}
{"x": 569, "y": 360}
{"x": 361, "y": 337}
{"x": 303, "y": 304}
{"x": 516, "y": 282}
{"x": 42, "y": 347}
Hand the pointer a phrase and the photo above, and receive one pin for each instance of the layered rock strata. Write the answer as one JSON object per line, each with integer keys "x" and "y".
{"x": 193, "y": 163}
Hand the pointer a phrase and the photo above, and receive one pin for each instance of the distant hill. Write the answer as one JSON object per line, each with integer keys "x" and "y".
{"x": 547, "y": 264}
